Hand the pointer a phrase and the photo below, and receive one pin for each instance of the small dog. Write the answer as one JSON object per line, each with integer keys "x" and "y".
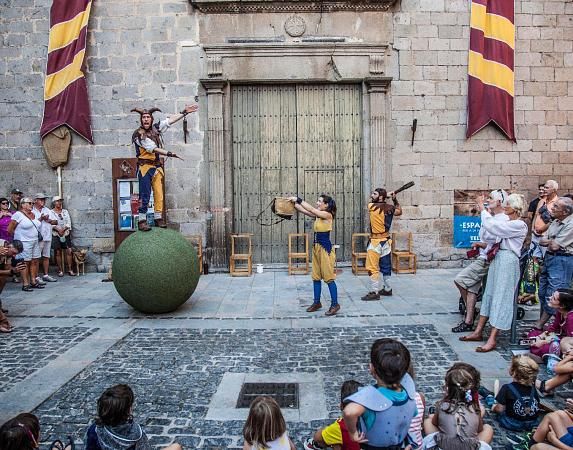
{"x": 80, "y": 260}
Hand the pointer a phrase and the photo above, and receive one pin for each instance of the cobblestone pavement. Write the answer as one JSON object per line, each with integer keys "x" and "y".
{"x": 27, "y": 350}
{"x": 176, "y": 372}
{"x": 76, "y": 337}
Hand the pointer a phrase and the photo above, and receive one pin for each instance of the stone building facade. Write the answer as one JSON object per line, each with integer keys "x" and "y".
{"x": 407, "y": 60}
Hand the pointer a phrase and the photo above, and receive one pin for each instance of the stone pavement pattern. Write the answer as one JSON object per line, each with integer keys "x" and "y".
{"x": 76, "y": 337}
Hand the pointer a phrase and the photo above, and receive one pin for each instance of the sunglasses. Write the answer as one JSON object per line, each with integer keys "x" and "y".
{"x": 3, "y": 203}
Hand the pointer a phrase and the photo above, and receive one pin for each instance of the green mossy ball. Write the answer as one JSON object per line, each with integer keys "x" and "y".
{"x": 155, "y": 271}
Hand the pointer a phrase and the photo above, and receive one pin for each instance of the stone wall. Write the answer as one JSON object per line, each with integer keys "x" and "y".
{"x": 134, "y": 58}
{"x": 431, "y": 39}
{"x": 144, "y": 53}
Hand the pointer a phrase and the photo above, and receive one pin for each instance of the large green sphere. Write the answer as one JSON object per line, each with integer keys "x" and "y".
{"x": 155, "y": 271}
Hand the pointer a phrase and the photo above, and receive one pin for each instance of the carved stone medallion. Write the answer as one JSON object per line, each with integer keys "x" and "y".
{"x": 295, "y": 26}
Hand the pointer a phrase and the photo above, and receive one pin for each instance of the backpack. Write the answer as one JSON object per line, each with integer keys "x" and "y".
{"x": 526, "y": 407}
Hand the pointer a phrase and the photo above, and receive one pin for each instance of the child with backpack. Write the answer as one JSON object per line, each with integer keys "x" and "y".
{"x": 383, "y": 412}
{"x": 517, "y": 403}
{"x": 336, "y": 435}
{"x": 458, "y": 421}
{"x": 114, "y": 427}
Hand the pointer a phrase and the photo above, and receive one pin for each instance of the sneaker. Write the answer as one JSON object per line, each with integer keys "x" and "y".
{"x": 516, "y": 439}
{"x": 310, "y": 444}
{"x": 40, "y": 281}
{"x": 524, "y": 446}
{"x": 37, "y": 286}
{"x": 385, "y": 293}
{"x": 49, "y": 278}
{"x": 370, "y": 296}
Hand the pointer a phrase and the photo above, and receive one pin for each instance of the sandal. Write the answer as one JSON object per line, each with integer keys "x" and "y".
{"x": 37, "y": 286}
{"x": 470, "y": 339}
{"x": 56, "y": 445}
{"x": 481, "y": 349}
{"x": 71, "y": 273}
{"x": 70, "y": 444}
{"x": 5, "y": 328}
{"x": 540, "y": 386}
{"x": 462, "y": 327}
{"x": 60, "y": 273}
{"x": 27, "y": 288}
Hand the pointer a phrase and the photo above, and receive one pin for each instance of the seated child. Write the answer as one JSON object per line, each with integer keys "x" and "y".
{"x": 415, "y": 431}
{"x": 265, "y": 428}
{"x": 517, "y": 403}
{"x": 20, "y": 433}
{"x": 458, "y": 421}
{"x": 563, "y": 370}
{"x": 562, "y": 325}
{"x": 555, "y": 428}
{"x": 385, "y": 411}
{"x": 114, "y": 427}
{"x": 335, "y": 435}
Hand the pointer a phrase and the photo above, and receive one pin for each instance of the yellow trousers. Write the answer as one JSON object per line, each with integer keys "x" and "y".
{"x": 323, "y": 264}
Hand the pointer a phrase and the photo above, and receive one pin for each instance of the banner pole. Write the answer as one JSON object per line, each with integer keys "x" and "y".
{"x": 59, "y": 172}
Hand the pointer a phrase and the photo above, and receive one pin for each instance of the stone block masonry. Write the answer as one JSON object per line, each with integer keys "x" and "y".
{"x": 135, "y": 58}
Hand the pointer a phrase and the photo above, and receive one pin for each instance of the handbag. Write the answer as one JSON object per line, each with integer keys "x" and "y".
{"x": 40, "y": 237}
{"x": 493, "y": 251}
{"x": 281, "y": 207}
{"x": 473, "y": 253}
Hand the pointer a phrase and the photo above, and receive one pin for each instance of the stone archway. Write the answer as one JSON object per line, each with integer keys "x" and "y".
{"x": 258, "y": 63}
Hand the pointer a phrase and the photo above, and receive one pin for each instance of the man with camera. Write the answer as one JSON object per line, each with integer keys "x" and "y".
{"x": 558, "y": 262}
{"x": 470, "y": 279}
{"x": 9, "y": 267}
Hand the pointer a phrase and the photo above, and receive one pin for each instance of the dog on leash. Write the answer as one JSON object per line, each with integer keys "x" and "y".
{"x": 80, "y": 260}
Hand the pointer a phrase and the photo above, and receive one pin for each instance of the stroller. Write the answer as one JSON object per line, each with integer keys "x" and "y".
{"x": 523, "y": 263}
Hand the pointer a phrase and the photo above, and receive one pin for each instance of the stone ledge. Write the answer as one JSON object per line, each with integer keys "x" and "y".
{"x": 237, "y": 7}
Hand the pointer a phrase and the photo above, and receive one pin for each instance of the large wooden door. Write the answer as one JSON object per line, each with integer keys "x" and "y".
{"x": 296, "y": 139}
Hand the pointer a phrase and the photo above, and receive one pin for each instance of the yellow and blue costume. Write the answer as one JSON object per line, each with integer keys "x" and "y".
{"x": 323, "y": 259}
{"x": 150, "y": 167}
{"x": 378, "y": 251}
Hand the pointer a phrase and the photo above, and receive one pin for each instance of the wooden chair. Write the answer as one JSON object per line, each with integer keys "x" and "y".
{"x": 241, "y": 270}
{"x": 357, "y": 255}
{"x": 196, "y": 240}
{"x": 293, "y": 265}
{"x": 403, "y": 253}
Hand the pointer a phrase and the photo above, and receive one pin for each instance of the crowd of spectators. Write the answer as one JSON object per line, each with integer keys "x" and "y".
{"x": 29, "y": 231}
{"x": 389, "y": 414}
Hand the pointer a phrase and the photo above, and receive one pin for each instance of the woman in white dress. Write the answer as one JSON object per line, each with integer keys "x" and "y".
{"x": 503, "y": 276}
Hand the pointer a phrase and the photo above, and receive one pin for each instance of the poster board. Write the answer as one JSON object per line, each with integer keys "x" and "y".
{"x": 467, "y": 218}
{"x": 126, "y": 198}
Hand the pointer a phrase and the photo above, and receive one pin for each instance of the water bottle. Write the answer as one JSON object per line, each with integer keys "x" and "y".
{"x": 489, "y": 400}
{"x": 554, "y": 347}
{"x": 553, "y": 355}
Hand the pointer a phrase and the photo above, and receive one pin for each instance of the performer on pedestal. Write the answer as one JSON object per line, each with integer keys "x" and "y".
{"x": 378, "y": 257}
{"x": 148, "y": 143}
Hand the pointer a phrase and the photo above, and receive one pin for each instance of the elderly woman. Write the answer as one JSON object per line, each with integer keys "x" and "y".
{"x": 498, "y": 298}
{"x": 5, "y": 218}
{"x": 61, "y": 242}
{"x": 25, "y": 227}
